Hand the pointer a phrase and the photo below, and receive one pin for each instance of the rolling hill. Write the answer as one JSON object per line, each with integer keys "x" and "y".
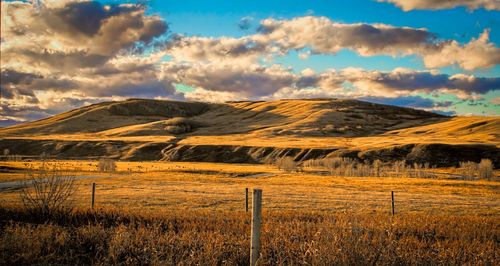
{"x": 253, "y": 131}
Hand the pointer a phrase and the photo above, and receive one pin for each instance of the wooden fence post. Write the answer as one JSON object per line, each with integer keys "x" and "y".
{"x": 256, "y": 225}
{"x": 246, "y": 199}
{"x": 392, "y": 197}
{"x": 93, "y": 195}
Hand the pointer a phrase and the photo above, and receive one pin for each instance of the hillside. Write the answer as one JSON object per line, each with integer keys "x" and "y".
{"x": 254, "y": 132}
{"x": 285, "y": 117}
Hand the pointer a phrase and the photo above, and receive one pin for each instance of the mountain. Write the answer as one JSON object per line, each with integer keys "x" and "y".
{"x": 248, "y": 131}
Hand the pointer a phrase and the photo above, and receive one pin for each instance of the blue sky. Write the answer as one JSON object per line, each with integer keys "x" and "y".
{"x": 428, "y": 56}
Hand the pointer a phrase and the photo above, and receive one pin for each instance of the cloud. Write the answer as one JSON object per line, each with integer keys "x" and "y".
{"x": 408, "y": 5}
{"x": 245, "y": 23}
{"x": 320, "y": 35}
{"x": 64, "y": 54}
{"x": 270, "y": 82}
{"x": 73, "y": 35}
{"x": 403, "y": 81}
{"x": 200, "y": 94}
{"x": 248, "y": 80}
{"x": 208, "y": 49}
{"x": 478, "y": 53}
{"x": 324, "y": 36}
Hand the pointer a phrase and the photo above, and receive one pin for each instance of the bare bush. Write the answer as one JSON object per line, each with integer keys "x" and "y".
{"x": 106, "y": 165}
{"x": 340, "y": 166}
{"x": 47, "y": 190}
{"x": 287, "y": 164}
{"x": 468, "y": 170}
{"x": 485, "y": 169}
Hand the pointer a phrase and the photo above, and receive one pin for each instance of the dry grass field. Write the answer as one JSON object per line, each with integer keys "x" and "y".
{"x": 193, "y": 237}
{"x": 221, "y": 187}
{"x": 194, "y": 213}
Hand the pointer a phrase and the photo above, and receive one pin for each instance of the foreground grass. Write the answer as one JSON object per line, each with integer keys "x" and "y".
{"x": 123, "y": 237}
{"x": 191, "y": 213}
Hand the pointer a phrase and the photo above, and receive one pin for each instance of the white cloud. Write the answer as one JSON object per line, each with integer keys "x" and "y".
{"x": 324, "y": 36}
{"x": 478, "y": 53}
{"x": 249, "y": 80}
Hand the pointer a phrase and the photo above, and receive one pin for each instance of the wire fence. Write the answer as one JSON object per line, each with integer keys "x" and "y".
{"x": 235, "y": 198}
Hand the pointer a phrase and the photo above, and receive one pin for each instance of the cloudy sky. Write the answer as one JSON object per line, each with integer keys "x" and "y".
{"x": 437, "y": 55}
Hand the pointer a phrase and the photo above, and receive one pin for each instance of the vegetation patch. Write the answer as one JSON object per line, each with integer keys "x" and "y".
{"x": 182, "y": 125}
{"x": 109, "y": 237}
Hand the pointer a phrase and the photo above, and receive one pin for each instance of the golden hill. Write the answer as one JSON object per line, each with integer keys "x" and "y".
{"x": 255, "y": 131}
{"x": 321, "y": 117}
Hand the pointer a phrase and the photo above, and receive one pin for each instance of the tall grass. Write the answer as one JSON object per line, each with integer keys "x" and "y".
{"x": 481, "y": 170}
{"x": 106, "y": 165}
{"x": 222, "y": 238}
{"x": 287, "y": 164}
{"x": 485, "y": 169}
{"x": 347, "y": 167}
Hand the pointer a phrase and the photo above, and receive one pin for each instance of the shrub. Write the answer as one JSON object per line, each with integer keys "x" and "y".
{"x": 485, "y": 169}
{"x": 47, "y": 191}
{"x": 468, "y": 169}
{"x": 181, "y": 125}
{"x": 287, "y": 164}
{"x": 106, "y": 165}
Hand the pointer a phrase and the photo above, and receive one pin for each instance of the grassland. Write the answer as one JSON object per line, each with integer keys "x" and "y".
{"x": 213, "y": 186}
{"x": 174, "y": 237}
{"x": 161, "y": 213}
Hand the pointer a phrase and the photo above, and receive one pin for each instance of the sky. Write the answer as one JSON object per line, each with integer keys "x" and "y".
{"x": 439, "y": 56}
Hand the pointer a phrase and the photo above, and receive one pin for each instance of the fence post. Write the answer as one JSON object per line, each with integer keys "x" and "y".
{"x": 246, "y": 199}
{"x": 256, "y": 225}
{"x": 392, "y": 198}
{"x": 93, "y": 195}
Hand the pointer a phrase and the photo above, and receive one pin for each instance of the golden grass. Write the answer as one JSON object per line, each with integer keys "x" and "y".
{"x": 215, "y": 186}
{"x": 455, "y": 131}
{"x": 165, "y": 213}
{"x": 172, "y": 237}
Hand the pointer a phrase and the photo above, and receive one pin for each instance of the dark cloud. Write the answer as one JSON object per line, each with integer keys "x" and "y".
{"x": 14, "y": 83}
{"x": 85, "y": 17}
{"x": 474, "y": 84}
{"x": 11, "y": 76}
